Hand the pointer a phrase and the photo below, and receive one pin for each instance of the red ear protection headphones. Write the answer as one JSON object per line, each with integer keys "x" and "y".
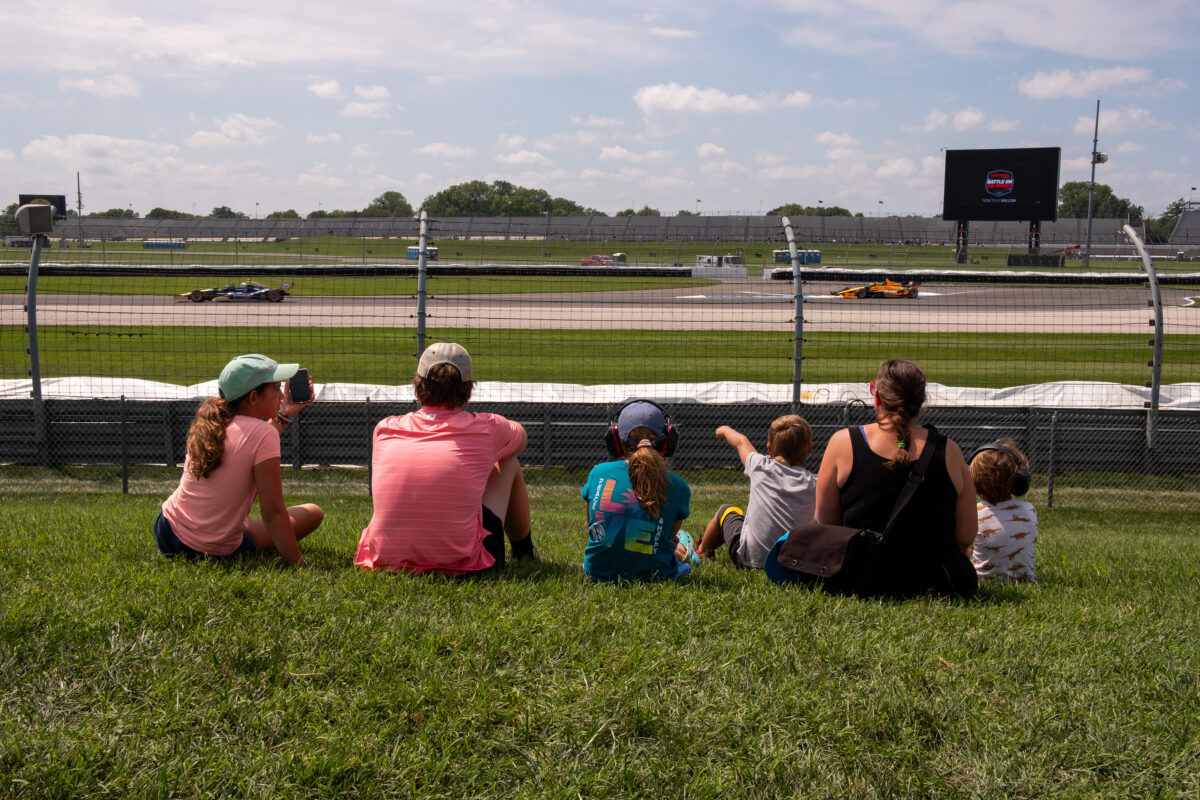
{"x": 664, "y": 444}
{"x": 1021, "y": 482}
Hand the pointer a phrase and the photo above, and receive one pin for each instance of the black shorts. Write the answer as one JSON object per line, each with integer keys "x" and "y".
{"x": 494, "y": 541}
{"x": 730, "y": 519}
{"x": 170, "y": 546}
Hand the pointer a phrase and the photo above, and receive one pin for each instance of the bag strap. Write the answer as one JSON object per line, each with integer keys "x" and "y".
{"x": 916, "y": 475}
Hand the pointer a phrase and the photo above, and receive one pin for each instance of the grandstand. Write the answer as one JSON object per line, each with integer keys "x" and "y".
{"x": 884, "y": 230}
{"x": 1187, "y": 229}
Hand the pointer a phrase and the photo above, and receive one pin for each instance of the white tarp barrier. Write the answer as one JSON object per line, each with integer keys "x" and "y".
{"x": 1061, "y": 394}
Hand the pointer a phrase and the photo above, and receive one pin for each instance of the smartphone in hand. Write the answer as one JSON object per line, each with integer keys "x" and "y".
{"x": 298, "y": 387}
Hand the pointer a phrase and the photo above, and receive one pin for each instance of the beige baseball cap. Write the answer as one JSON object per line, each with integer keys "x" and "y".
{"x": 445, "y": 353}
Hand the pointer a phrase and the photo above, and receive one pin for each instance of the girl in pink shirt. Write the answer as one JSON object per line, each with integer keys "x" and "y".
{"x": 233, "y": 456}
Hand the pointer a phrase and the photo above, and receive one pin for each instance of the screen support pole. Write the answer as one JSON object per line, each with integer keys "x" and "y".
{"x": 960, "y": 243}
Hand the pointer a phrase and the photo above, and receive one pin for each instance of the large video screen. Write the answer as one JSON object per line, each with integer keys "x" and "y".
{"x": 1019, "y": 183}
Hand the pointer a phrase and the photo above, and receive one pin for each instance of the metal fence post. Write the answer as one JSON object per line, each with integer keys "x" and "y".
{"x": 35, "y": 365}
{"x": 1155, "y": 363}
{"x": 798, "y": 319}
{"x": 422, "y": 269}
{"x": 124, "y": 450}
{"x": 1050, "y": 469}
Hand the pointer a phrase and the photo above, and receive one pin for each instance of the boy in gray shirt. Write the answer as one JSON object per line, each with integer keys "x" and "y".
{"x": 783, "y": 494}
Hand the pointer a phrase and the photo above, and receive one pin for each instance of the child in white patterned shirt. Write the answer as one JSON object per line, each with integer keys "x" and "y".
{"x": 1008, "y": 527}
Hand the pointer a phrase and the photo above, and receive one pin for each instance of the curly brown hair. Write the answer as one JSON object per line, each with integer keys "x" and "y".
{"x": 900, "y": 388}
{"x": 443, "y": 386}
{"x": 206, "y": 436}
{"x": 647, "y": 470}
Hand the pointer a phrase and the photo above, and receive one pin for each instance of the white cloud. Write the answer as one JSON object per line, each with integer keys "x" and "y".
{"x": 897, "y": 168}
{"x": 935, "y": 120}
{"x": 597, "y": 121}
{"x": 445, "y": 151}
{"x": 1168, "y": 86}
{"x": 1068, "y": 83}
{"x": 723, "y": 171}
{"x": 710, "y": 150}
{"x": 362, "y": 151}
{"x": 506, "y": 142}
{"x": 1116, "y": 120}
{"x": 1094, "y": 29}
{"x": 831, "y": 139}
{"x": 6, "y": 155}
{"x": 674, "y": 33}
{"x": 327, "y": 90}
{"x": 372, "y": 92}
{"x": 1129, "y": 147}
{"x": 618, "y": 153}
{"x": 324, "y": 138}
{"x": 94, "y": 150}
{"x": 16, "y": 101}
{"x": 236, "y": 129}
{"x": 110, "y": 87}
{"x": 967, "y": 119}
{"x": 373, "y": 110}
{"x": 667, "y": 98}
{"x": 1002, "y": 125}
{"x": 523, "y": 158}
{"x": 765, "y": 159}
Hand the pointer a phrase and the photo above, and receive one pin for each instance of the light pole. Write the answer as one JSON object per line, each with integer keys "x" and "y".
{"x": 1097, "y": 158}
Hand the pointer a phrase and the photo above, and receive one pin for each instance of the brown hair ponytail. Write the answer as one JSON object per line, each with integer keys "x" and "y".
{"x": 900, "y": 389}
{"x": 647, "y": 471}
{"x": 206, "y": 437}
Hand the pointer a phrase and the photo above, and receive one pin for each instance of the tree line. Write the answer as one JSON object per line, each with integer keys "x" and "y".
{"x": 504, "y": 199}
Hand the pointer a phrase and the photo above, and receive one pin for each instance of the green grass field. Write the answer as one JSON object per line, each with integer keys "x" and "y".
{"x": 191, "y": 355}
{"x": 126, "y": 675}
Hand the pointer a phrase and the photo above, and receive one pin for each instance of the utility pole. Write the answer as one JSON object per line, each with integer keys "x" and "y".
{"x": 1097, "y": 158}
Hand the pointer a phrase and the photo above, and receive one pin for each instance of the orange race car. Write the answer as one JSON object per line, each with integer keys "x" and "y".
{"x": 885, "y": 288}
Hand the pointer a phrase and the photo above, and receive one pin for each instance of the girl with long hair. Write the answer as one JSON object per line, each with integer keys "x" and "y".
{"x": 864, "y": 470}
{"x": 635, "y": 504}
{"x": 232, "y": 457}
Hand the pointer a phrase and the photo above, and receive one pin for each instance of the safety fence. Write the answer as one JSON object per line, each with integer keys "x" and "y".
{"x": 1095, "y": 374}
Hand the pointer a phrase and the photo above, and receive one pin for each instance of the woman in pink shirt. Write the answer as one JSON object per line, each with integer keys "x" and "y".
{"x": 446, "y": 486}
{"x": 232, "y": 456}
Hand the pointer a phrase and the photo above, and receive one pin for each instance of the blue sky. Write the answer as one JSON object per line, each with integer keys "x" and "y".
{"x": 732, "y": 107}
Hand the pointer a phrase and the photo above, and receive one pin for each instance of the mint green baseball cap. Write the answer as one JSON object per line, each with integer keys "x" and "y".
{"x": 244, "y": 373}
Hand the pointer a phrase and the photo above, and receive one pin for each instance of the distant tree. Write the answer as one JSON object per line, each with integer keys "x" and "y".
{"x": 1073, "y": 203}
{"x": 645, "y": 211}
{"x": 8, "y": 220}
{"x": 800, "y": 210}
{"x": 499, "y": 199}
{"x": 683, "y": 212}
{"x": 167, "y": 213}
{"x": 225, "y": 212}
{"x": 116, "y": 213}
{"x": 389, "y": 204}
{"x": 289, "y": 214}
{"x": 1159, "y": 230}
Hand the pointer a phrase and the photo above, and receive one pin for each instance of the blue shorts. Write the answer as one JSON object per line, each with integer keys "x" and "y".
{"x": 170, "y": 546}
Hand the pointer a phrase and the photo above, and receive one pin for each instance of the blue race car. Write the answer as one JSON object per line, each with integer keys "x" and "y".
{"x": 246, "y": 290}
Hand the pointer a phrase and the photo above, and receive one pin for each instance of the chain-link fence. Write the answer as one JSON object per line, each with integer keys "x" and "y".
{"x": 1094, "y": 374}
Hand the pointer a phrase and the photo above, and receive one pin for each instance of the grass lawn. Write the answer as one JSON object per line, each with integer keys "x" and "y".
{"x": 127, "y": 675}
{"x": 374, "y": 355}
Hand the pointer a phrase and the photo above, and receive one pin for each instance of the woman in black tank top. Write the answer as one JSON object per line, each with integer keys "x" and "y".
{"x": 864, "y": 470}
